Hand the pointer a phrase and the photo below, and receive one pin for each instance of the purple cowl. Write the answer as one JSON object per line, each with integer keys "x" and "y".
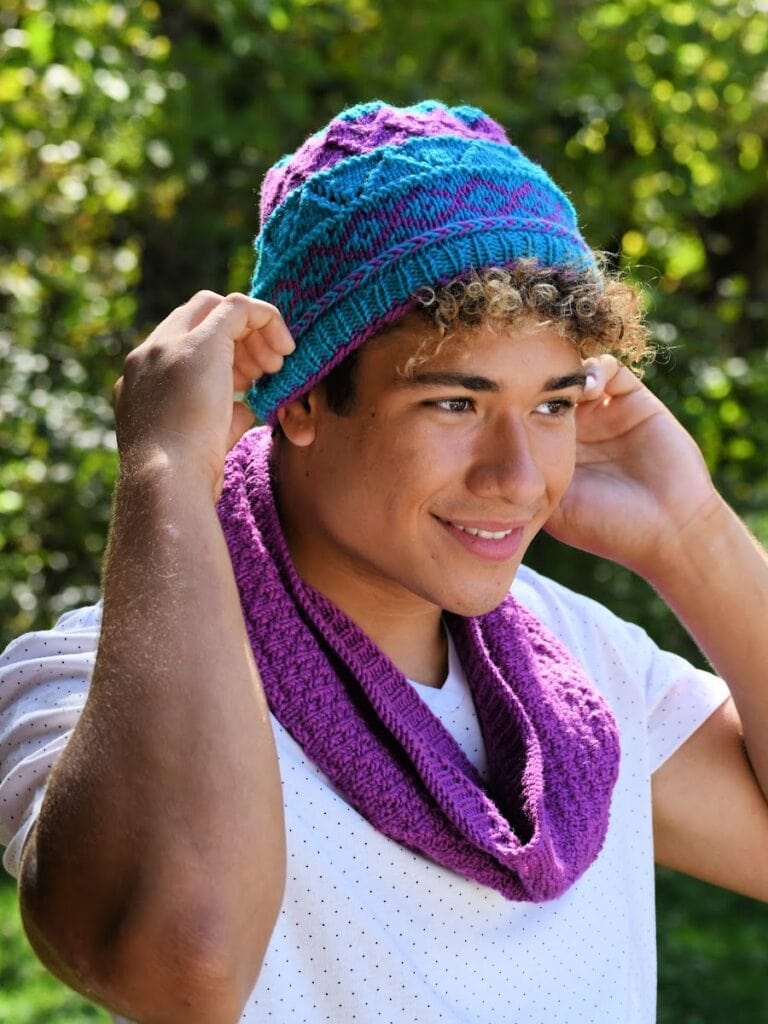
{"x": 551, "y": 739}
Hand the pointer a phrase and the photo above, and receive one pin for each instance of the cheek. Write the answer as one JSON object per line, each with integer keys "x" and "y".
{"x": 558, "y": 461}
{"x": 406, "y": 475}
{"x": 363, "y": 482}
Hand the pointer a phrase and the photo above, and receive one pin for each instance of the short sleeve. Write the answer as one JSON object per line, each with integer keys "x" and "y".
{"x": 679, "y": 698}
{"x": 44, "y": 679}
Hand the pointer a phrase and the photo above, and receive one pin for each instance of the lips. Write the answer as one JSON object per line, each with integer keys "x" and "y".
{"x": 491, "y": 541}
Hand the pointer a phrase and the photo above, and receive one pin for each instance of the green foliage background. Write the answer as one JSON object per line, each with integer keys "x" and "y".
{"x": 133, "y": 137}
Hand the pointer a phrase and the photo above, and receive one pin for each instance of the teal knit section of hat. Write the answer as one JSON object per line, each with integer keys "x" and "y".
{"x": 383, "y": 203}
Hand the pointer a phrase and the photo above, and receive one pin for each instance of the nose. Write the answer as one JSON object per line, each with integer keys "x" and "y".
{"x": 505, "y": 465}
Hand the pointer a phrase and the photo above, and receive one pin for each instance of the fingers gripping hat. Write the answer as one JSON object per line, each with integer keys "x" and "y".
{"x": 382, "y": 202}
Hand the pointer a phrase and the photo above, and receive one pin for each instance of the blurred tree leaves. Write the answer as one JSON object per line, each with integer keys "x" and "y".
{"x": 134, "y": 136}
{"x": 82, "y": 89}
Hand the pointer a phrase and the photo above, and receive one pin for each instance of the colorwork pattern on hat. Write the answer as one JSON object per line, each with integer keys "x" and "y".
{"x": 385, "y": 201}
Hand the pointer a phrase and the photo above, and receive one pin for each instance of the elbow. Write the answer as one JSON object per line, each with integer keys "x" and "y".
{"x": 179, "y": 970}
{"x": 160, "y": 966}
{"x": 176, "y": 976}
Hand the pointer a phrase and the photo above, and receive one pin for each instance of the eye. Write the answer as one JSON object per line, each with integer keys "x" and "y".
{"x": 454, "y": 405}
{"x": 555, "y": 407}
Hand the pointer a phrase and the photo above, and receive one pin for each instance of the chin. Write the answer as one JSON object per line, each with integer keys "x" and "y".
{"x": 471, "y": 604}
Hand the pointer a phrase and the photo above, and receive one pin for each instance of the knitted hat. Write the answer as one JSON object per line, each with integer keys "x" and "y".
{"x": 384, "y": 201}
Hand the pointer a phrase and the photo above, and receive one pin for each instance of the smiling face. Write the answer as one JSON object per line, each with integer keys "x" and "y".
{"x": 428, "y": 492}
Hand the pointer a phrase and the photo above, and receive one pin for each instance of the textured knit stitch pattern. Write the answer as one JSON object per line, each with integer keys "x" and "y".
{"x": 552, "y": 741}
{"x": 385, "y": 201}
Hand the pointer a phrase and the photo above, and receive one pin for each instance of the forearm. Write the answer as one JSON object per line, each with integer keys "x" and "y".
{"x": 715, "y": 578}
{"x": 159, "y": 853}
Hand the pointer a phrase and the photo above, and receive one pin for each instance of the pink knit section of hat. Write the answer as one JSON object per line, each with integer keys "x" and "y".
{"x": 365, "y": 128}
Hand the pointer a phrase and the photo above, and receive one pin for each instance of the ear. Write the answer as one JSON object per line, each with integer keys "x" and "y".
{"x": 298, "y": 420}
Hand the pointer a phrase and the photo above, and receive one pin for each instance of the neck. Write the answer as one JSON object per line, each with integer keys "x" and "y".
{"x": 409, "y": 631}
{"x": 405, "y": 627}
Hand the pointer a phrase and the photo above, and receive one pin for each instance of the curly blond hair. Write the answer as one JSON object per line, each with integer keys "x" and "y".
{"x": 597, "y": 311}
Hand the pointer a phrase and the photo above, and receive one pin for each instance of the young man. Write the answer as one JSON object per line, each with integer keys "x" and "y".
{"x": 473, "y": 783}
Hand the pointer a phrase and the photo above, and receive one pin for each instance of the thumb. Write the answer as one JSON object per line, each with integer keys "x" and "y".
{"x": 242, "y": 420}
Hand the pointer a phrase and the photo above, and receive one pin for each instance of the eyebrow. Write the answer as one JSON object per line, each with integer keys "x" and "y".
{"x": 570, "y": 380}
{"x": 475, "y": 383}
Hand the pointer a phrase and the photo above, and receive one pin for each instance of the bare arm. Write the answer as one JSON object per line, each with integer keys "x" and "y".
{"x": 716, "y": 581}
{"x": 642, "y": 496}
{"x": 154, "y": 875}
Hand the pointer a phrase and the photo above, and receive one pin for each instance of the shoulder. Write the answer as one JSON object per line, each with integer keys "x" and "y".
{"x": 649, "y": 688}
{"x": 44, "y": 680}
{"x": 579, "y": 622}
{"x": 75, "y": 632}
{"x": 49, "y": 668}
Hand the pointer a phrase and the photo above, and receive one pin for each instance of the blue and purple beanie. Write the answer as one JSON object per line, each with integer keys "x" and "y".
{"x": 382, "y": 202}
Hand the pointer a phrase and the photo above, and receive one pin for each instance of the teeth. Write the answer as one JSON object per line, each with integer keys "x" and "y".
{"x": 483, "y": 534}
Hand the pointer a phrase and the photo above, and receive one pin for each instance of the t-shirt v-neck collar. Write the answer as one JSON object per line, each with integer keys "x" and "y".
{"x": 447, "y": 698}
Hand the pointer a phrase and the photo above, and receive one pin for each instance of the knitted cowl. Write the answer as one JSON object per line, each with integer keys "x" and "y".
{"x": 385, "y": 201}
{"x": 551, "y": 739}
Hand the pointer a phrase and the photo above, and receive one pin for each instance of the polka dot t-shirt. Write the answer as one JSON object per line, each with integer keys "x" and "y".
{"x": 374, "y": 933}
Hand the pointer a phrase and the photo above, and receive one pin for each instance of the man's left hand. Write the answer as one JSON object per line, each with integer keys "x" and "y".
{"x": 640, "y": 478}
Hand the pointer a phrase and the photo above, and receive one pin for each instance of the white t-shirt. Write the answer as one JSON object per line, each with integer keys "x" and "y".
{"x": 373, "y": 933}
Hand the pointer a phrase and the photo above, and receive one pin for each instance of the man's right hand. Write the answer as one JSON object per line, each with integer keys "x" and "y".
{"x": 174, "y": 404}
